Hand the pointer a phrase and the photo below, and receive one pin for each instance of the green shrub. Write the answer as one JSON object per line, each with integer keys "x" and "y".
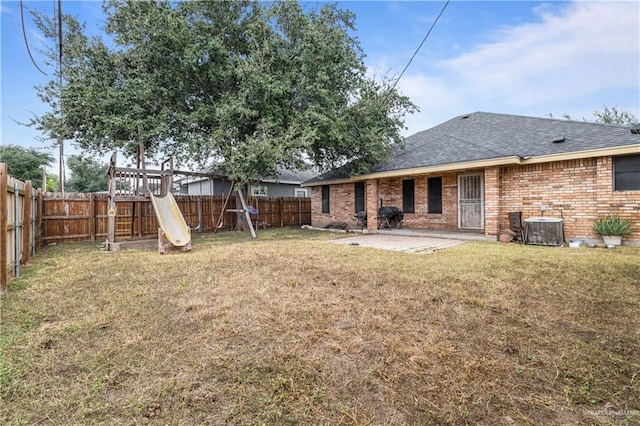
{"x": 613, "y": 225}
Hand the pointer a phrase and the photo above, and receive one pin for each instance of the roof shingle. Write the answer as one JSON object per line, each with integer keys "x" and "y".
{"x": 484, "y": 136}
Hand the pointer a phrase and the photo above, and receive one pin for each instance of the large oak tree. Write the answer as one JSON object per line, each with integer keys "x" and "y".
{"x": 254, "y": 86}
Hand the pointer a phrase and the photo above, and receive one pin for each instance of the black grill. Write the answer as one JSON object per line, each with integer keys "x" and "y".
{"x": 389, "y": 217}
{"x": 361, "y": 219}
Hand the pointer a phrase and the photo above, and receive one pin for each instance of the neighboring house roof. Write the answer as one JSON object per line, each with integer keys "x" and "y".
{"x": 291, "y": 176}
{"x": 482, "y": 139}
{"x": 285, "y": 176}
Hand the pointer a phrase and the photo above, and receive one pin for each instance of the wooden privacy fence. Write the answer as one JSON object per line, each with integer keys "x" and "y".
{"x": 19, "y": 225}
{"x": 83, "y": 217}
{"x": 30, "y": 218}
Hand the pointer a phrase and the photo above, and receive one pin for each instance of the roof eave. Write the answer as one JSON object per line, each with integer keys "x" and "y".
{"x": 501, "y": 161}
{"x": 283, "y": 182}
{"x": 422, "y": 170}
{"x": 579, "y": 155}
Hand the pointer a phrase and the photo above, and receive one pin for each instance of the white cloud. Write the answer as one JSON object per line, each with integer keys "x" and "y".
{"x": 588, "y": 47}
{"x": 584, "y": 52}
{"x": 431, "y": 94}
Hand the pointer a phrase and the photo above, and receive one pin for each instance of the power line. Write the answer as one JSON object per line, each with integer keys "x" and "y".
{"x": 26, "y": 42}
{"x": 419, "y": 47}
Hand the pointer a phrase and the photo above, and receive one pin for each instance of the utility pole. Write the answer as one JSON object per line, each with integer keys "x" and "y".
{"x": 60, "y": 136}
{"x": 61, "y": 160}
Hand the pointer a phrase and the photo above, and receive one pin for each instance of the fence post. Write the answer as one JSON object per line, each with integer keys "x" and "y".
{"x": 26, "y": 222}
{"x": 39, "y": 213}
{"x": 92, "y": 215}
{"x": 200, "y": 214}
{"x": 3, "y": 227}
{"x": 16, "y": 230}
{"x": 34, "y": 214}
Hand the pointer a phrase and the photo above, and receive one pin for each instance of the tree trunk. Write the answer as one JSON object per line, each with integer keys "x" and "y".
{"x": 241, "y": 217}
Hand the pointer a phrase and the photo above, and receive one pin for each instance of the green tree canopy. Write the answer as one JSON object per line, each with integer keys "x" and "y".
{"x": 614, "y": 116}
{"x": 253, "y": 85}
{"x": 53, "y": 183}
{"x": 609, "y": 116}
{"x": 25, "y": 163}
{"x": 87, "y": 175}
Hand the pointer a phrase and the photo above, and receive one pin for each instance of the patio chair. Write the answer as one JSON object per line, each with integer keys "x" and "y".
{"x": 515, "y": 224}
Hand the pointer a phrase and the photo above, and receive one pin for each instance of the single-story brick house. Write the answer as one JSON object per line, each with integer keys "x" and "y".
{"x": 469, "y": 172}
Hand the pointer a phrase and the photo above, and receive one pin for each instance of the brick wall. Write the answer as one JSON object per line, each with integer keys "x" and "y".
{"x": 390, "y": 191}
{"x": 578, "y": 191}
{"x": 448, "y": 219}
{"x": 371, "y": 203}
{"x": 341, "y": 205}
{"x": 492, "y": 201}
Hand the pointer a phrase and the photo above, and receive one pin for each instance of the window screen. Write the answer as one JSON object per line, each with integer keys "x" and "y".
{"x": 325, "y": 199}
{"x": 626, "y": 173}
{"x": 408, "y": 191}
{"x": 359, "y": 194}
{"x": 434, "y": 195}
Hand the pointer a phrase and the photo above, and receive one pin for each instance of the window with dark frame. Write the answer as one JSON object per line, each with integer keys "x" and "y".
{"x": 359, "y": 196}
{"x": 325, "y": 199}
{"x": 626, "y": 173}
{"x": 434, "y": 195}
{"x": 408, "y": 196}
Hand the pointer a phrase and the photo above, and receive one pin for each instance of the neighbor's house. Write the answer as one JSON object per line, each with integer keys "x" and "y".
{"x": 287, "y": 184}
{"x": 470, "y": 172}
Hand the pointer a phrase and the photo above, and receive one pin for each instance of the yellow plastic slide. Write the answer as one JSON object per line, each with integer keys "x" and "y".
{"x": 171, "y": 220}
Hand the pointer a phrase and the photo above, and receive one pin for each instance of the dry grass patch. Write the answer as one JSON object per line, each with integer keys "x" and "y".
{"x": 289, "y": 329}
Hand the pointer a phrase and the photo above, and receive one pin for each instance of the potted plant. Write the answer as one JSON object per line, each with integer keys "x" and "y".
{"x": 612, "y": 228}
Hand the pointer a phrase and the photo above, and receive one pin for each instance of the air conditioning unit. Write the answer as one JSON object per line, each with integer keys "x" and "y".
{"x": 545, "y": 231}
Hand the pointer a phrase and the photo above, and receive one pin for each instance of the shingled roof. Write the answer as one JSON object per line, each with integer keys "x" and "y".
{"x": 284, "y": 176}
{"x": 496, "y": 139}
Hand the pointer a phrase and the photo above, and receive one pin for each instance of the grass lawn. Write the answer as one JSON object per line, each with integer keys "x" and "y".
{"x": 289, "y": 329}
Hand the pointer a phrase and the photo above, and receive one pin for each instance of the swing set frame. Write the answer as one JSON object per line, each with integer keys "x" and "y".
{"x": 245, "y": 209}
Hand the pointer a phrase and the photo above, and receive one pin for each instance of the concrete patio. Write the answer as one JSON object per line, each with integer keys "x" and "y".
{"x": 411, "y": 240}
{"x": 454, "y": 234}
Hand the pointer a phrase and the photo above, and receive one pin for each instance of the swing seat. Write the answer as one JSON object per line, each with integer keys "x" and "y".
{"x": 252, "y": 210}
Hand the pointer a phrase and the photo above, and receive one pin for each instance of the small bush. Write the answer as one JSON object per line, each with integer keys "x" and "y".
{"x": 613, "y": 225}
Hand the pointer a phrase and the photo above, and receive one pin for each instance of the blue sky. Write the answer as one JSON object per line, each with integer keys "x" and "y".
{"x": 516, "y": 57}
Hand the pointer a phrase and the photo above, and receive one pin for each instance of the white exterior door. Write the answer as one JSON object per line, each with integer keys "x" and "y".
{"x": 471, "y": 201}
